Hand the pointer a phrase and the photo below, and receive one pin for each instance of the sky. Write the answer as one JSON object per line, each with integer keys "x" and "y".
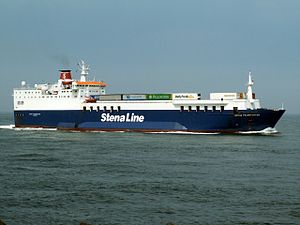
{"x": 155, "y": 46}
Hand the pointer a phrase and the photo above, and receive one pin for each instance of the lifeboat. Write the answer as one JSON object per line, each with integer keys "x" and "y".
{"x": 90, "y": 100}
{"x": 65, "y": 82}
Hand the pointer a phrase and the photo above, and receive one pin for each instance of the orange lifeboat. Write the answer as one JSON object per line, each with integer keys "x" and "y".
{"x": 90, "y": 100}
{"x": 67, "y": 82}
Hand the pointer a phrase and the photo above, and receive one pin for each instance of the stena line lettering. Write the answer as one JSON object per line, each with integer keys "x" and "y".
{"x": 129, "y": 117}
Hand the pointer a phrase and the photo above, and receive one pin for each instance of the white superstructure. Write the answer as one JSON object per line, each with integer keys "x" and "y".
{"x": 69, "y": 94}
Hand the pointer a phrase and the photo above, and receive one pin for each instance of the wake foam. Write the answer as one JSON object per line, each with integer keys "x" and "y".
{"x": 12, "y": 127}
{"x": 9, "y": 127}
{"x": 182, "y": 132}
{"x": 267, "y": 131}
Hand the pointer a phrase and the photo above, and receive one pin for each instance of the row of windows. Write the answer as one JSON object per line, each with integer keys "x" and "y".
{"x": 39, "y": 92}
{"x": 20, "y": 114}
{"x": 47, "y": 96}
{"x": 94, "y": 85}
{"x": 28, "y": 92}
{"x": 198, "y": 108}
{"x": 105, "y": 108}
{"x": 182, "y": 108}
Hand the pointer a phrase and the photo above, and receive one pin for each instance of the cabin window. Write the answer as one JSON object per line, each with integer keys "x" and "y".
{"x": 111, "y": 109}
{"x": 84, "y": 108}
{"x": 104, "y": 108}
{"x": 197, "y": 108}
{"x": 98, "y": 108}
{"x": 181, "y": 108}
{"x": 214, "y": 108}
{"x": 190, "y": 108}
{"x": 205, "y": 108}
{"x": 222, "y": 108}
{"x": 119, "y": 108}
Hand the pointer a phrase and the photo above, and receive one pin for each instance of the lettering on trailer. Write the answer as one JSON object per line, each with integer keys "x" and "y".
{"x": 129, "y": 117}
{"x": 185, "y": 96}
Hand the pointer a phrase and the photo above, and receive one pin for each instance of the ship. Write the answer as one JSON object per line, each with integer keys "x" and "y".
{"x": 84, "y": 105}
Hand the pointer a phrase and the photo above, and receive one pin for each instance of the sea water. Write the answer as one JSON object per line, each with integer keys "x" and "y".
{"x": 50, "y": 177}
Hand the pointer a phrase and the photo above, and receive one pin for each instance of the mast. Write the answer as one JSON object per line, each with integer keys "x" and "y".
{"x": 84, "y": 70}
{"x": 250, "y": 92}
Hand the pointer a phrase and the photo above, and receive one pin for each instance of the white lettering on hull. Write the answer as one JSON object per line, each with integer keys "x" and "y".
{"x": 129, "y": 117}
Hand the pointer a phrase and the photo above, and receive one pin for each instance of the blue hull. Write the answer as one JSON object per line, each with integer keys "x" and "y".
{"x": 151, "y": 120}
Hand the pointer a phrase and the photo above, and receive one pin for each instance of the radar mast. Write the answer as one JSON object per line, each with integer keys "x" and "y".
{"x": 84, "y": 70}
{"x": 250, "y": 92}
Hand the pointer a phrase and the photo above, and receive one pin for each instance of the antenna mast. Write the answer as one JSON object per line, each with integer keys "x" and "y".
{"x": 84, "y": 70}
{"x": 250, "y": 92}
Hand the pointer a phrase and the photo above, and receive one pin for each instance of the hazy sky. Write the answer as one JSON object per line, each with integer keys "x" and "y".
{"x": 155, "y": 45}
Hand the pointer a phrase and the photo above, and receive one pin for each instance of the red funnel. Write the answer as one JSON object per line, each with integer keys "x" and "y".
{"x": 65, "y": 75}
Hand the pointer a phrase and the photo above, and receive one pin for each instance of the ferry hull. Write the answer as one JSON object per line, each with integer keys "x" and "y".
{"x": 227, "y": 121}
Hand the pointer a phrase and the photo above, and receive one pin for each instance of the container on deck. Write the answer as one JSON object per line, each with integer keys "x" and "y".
{"x": 224, "y": 96}
{"x": 113, "y": 97}
{"x": 159, "y": 96}
{"x": 186, "y": 96}
{"x": 130, "y": 97}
